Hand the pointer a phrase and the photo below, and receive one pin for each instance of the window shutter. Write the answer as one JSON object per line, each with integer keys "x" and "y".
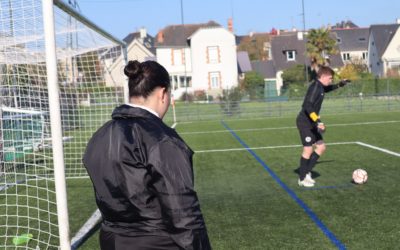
{"x": 209, "y": 80}
{"x": 207, "y": 56}
{"x": 172, "y": 57}
{"x": 219, "y": 55}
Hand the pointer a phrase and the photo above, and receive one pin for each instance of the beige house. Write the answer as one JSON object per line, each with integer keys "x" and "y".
{"x": 140, "y": 46}
{"x": 353, "y": 44}
{"x": 384, "y": 50}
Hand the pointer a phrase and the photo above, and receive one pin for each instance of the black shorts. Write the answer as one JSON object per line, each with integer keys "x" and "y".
{"x": 309, "y": 134}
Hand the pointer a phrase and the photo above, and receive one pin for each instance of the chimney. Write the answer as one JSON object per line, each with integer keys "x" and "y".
{"x": 300, "y": 35}
{"x": 160, "y": 36}
{"x": 143, "y": 32}
{"x": 230, "y": 25}
{"x": 398, "y": 20}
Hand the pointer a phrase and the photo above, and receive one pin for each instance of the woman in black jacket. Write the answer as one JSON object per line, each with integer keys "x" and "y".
{"x": 142, "y": 172}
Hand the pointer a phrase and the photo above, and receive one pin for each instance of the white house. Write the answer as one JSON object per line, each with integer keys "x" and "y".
{"x": 214, "y": 60}
{"x": 198, "y": 57}
{"x": 140, "y": 46}
{"x": 384, "y": 50}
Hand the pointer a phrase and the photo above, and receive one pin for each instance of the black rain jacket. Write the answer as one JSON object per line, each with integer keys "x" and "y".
{"x": 313, "y": 102}
{"x": 143, "y": 179}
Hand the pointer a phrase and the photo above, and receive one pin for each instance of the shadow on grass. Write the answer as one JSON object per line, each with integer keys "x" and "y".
{"x": 314, "y": 174}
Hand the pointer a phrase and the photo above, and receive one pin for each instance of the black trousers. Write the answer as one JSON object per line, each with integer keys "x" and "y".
{"x": 113, "y": 241}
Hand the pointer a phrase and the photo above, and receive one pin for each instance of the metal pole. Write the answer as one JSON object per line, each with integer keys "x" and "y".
{"x": 126, "y": 86}
{"x": 184, "y": 53}
{"x": 65, "y": 7}
{"x": 305, "y": 41}
{"x": 56, "y": 128}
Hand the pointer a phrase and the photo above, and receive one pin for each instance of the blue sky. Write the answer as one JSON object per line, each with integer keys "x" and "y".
{"x": 120, "y": 17}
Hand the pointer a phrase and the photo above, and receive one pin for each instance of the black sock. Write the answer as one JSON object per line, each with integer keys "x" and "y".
{"x": 313, "y": 160}
{"x": 303, "y": 170}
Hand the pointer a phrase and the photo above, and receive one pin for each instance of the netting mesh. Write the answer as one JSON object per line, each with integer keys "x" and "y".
{"x": 91, "y": 84}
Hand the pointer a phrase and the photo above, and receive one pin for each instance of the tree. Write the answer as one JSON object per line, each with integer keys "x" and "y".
{"x": 349, "y": 72}
{"x": 295, "y": 74}
{"x": 230, "y": 101}
{"x": 253, "y": 83}
{"x": 320, "y": 45}
{"x": 88, "y": 65}
{"x": 255, "y": 46}
{"x": 354, "y": 70}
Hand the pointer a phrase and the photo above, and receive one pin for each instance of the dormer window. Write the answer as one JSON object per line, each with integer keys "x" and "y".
{"x": 291, "y": 55}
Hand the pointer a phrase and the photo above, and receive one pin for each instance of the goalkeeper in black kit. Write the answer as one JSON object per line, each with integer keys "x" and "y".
{"x": 310, "y": 126}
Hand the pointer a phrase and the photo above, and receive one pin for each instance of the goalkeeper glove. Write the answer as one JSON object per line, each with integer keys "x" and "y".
{"x": 343, "y": 83}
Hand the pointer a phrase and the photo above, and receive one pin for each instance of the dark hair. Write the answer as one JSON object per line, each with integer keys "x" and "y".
{"x": 324, "y": 70}
{"x": 145, "y": 77}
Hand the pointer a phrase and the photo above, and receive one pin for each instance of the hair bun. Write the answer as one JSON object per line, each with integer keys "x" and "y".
{"x": 133, "y": 69}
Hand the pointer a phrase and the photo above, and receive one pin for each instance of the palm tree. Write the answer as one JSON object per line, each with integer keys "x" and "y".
{"x": 320, "y": 45}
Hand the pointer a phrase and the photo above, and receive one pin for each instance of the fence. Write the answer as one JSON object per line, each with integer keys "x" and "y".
{"x": 361, "y": 96}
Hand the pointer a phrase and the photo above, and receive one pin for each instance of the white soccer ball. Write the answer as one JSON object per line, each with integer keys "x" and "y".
{"x": 360, "y": 176}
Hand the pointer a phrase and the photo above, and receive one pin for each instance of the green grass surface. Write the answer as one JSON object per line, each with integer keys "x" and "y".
{"x": 246, "y": 208}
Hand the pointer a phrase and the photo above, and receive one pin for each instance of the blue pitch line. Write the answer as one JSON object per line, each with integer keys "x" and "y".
{"x": 292, "y": 194}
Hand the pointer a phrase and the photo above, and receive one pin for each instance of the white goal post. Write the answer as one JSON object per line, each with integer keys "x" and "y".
{"x": 60, "y": 78}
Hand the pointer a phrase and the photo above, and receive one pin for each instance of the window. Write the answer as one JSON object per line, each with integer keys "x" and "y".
{"x": 177, "y": 57}
{"x": 339, "y": 40}
{"x": 185, "y": 80}
{"x": 175, "y": 82}
{"x": 182, "y": 81}
{"x": 213, "y": 54}
{"x": 346, "y": 56}
{"x": 214, "y": 80}
{"x": 291, "y": 55}
{"x": 365, "y": 55}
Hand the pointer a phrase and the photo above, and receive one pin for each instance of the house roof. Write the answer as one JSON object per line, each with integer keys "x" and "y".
{"x": 355, "y": 39}
{"x": 238, "y": 39}
{"x": 290, "y": 42}
{"x": 282, "y": 43}
{"x": 111, "y": 53}
{"x": 176, "y": 35}
{"x": 265, "y": 68}
{"x": 147, "y": 41}
{"x": 243, "y": 61}
{"x": 383, "y": 34}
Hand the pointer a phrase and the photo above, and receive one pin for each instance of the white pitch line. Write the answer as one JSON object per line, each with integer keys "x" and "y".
{"x": 267, "y": 147}
{"x": 378, "y": 148}
{"x": 281, "y": 128}
{"x": 235, "y": 130}
{"x": 174, "y": 125}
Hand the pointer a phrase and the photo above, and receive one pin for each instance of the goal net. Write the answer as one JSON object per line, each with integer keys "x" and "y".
{"x": 90, "y": 81}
